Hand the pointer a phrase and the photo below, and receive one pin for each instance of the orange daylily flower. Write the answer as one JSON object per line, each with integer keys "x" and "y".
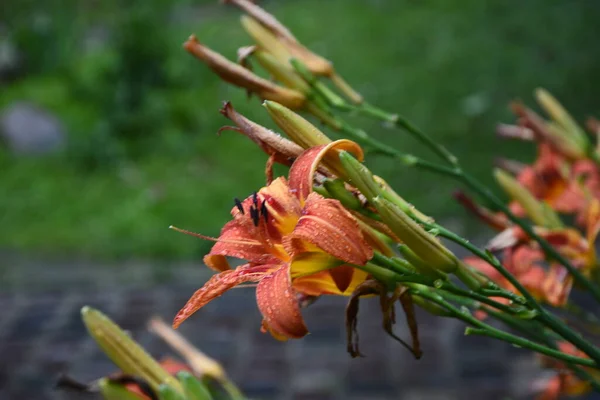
{"x": 565, "y": 382}
{"x": 294, "y": 241}
{"x": 564, "y": 186}
{"x": 549, "y": 284}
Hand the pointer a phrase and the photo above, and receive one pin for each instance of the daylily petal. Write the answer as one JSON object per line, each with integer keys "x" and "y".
{"x": 485, "y": 268}
{"x": 311, "y": 262}
{"x": 303, "y": 170}
{"x": 325, "y": 223}
{"x": 236, "y": 240}
{"x": 324, "y": 283}
{"x": 278, "y": 304}
{"x": 523, "y": 258}
{"x": 557, "y": 285}
{"x": 219, "y": 284}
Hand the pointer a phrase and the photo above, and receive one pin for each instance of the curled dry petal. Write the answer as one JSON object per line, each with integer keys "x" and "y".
{"x": 278, "y": 304}
{"x": 303, "y": 170}
{"x": 326, "y": 224}
{"x": 373, "y": 287}
{"x": 240, "y": 76}
{"x": 217, "y": 285}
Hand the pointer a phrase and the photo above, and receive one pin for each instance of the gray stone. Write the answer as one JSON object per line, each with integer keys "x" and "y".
{"x": 29, "y": 129}
{"x": 9, "y": 57}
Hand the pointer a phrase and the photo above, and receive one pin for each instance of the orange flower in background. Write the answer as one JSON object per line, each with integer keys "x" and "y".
{"x": 565, "y": 382}
{"x": 548, "y": 283}
{"x": 294, "y": 241}
{"x": 566, "y": 187}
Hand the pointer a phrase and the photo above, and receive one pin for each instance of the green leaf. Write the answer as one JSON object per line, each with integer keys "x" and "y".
{"x": 192, "y": 387}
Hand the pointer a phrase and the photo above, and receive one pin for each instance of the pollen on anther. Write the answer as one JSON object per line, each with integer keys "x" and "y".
{"x": 264, "y": 211}
{"x": 239, "y": 206}
{"x": 254, "y": 215}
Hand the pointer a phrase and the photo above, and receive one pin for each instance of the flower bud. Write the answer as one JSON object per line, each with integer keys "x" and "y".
{"x": 566, "y": 142}
{"x": 201, "y": 364}
{"x": 240, "y": 76}
{"x": 540, "y": 213}
{"x": 423, "y": 244}
{"x": 337, "y": 190}
{"x": 571, "y": 134}
{"x": 130, "y": 357}
{"x": 296, "y": 127}
{"x": 281, "y": 72}
{"x": 276, "y": 39}
{"x": 266, "y": 40}
{"x": 359, "y": 176}
{"x": 419, "y": 264}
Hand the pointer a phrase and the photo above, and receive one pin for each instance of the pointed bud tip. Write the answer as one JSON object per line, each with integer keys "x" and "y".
{"x": 85, "y": 310}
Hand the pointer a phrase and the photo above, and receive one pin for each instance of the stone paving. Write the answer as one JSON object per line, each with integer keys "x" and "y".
{"x": 41, "y": 335}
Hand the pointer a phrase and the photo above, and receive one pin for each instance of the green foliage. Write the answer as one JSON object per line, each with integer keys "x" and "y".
{"x": 142, "y": 114}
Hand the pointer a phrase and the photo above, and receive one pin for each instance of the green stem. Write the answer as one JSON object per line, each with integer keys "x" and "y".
{"x": 403, "y": 123}
{"x": 470, "y": 182}
{"x": 542, "y": 335}
{"x": 488, "y": 330}
{"x": 550, "y": 251}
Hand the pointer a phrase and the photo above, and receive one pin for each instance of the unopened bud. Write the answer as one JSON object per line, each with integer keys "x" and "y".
{"x": 242, "y": 77}
{"x": 298, "y": 129}
{"x": 281, "y": 72}
{"x": 423, "y": 244}
{"x": 571, "y": 134}
{"x": 540, "y": 213}
{"x": 419, "y": 264}
{"x": 337, "y": 189}
{"x": 130, "y": 357}
{"x": 359, "y": 176}
{"x": 265, "y": 39}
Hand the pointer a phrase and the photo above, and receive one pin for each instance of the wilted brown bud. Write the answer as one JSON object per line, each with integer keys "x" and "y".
{"x": 284, "y": 150}
{"x": 240, "y": 76}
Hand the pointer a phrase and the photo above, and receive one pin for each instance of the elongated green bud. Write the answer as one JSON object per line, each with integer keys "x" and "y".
{"x": 298, "y": 129}
{"x": 540, "y": 214}
{"x": 430, "y": 306}
{"x": 422, "y": 243}
{"x": 265, "y": 39}
{"x": 192, "y": 387}
{"x": 281, "y": 72}
{"x": 130, "y": 357}
{"x": 166, "y": 392}
{"x": 359, "y": 176}
{"x": 571, "y": 136}
{"x": 337, "y": 189}
{"x": 419, "y": 264}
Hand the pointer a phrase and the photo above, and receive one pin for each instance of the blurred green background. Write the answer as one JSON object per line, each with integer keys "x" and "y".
{"x": 138, "y": 116}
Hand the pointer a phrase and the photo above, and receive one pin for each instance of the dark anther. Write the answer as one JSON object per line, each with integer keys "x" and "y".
{"x": 254, "y": 215}
{"x": 238, "y": 204}
{"x": 255, "y": 200}
{"x": 264, "y": 211}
